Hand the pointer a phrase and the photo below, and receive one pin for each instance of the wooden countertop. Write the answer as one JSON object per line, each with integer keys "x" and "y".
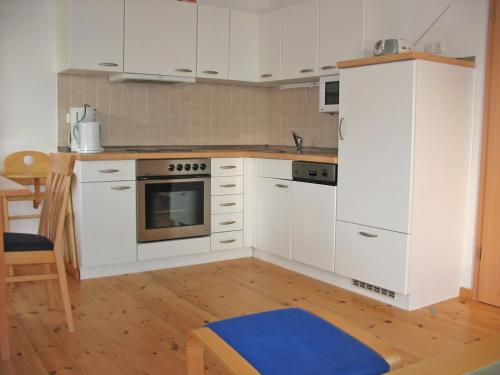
{"x": 320, "y": 157}
{"x": 403, "y": 57}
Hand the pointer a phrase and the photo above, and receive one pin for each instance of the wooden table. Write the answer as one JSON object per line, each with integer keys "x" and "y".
{"x": 32, "y": 178}
{"x": 10, "y": 188}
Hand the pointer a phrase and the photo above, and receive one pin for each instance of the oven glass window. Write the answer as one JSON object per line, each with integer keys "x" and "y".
{"x": 332, "y": 92}
{"x": 174, "y": 204}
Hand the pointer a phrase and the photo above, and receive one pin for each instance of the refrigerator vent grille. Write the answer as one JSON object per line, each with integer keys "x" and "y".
{"x": 373, "y": 288}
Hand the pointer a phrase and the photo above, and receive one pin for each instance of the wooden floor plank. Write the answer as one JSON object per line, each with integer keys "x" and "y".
{"x": 137, "y": 323}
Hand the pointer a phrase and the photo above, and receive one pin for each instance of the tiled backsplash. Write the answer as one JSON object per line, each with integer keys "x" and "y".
{"x": 196, "y": 114}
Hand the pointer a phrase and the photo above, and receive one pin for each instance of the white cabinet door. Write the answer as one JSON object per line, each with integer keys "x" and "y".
{"x": 90, "y": 35}
{"x": 244, "y": 46}
{"x": 374, "y": 256}
{"x": 107, "y": 226}
{"x": 300, "y": 40}
{"x": 274, "y": 216}
{"x": 270, "y": 46}
{"x": 213, "y": 42}
{"x": 160, "y": 37}
{"x": 341, "y": 25}
{"x": 375, "y": 145}
{"x": 313, "y": 224}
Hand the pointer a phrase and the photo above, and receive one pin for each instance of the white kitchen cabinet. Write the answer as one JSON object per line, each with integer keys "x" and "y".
{"x": 105, "y": 219}
{"x": 270, "y": 46}
{"x": 213, "y": 42}
{"x": 313, "y": 223}
{"x": 341, "y": 27}
{"x": 243, "y": 46}
{"x": 300, "y": 37}
{"x": 274, "y": 216}
{"x": 160, "y": 37}
{"x": 90, "y": 35}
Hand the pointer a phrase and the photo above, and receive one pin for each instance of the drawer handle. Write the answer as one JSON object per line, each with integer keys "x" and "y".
{"x": 228, "y": 167}
{"x": 328, "y": 67}
{"x": 306, "y": 71}
{"x": 109, "y": 170}
{"x": 230, "y": 222}
{"x": 183, "y": 70}
{"x": 120, "y": 187}
{"x": 210, "y": 72}
{"x": 266, "y": 75}
{"x": 228, "y": 186}
{"x": 282, "y": 186}
{"x": 227, "y": 241}
{"x": 227, "y": 204}
{"x": 366, "y": 234}
{"x": 108, "y": 64}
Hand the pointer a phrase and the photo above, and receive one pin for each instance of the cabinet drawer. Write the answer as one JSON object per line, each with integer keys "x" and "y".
{"x": 105, "y": 170}
{"x": 173, "y": 248}
{"x": 227, "y": 185}
{"x": 222, "y": 204}
{"x": 227, "y": 240}
{"x": 227, "y": 167}
{"x": 375, "y": 256}
{"x": 227, "y": 222}
{"x": 275, "y": 168}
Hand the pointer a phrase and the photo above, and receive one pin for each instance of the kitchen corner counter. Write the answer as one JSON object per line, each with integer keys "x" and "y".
{"x": 320, "y": 156}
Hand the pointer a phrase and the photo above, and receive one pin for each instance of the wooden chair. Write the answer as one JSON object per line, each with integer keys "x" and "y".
{"x": 46, "y": 248}
{"x": 30, "y": 168}
{"x": 206, "y": 339}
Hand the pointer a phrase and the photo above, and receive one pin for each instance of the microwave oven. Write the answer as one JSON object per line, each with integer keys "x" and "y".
{"x": 329, "y": 94}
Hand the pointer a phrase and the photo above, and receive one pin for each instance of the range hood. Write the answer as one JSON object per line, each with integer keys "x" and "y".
{"x": 125, "y": 77}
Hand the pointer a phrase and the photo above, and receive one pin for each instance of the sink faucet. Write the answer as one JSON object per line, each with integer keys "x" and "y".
{"x": 299, "y": 142}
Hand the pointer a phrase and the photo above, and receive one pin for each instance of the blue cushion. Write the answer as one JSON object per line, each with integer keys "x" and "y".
{"x": 26, "y": 242}
{"x": 293, "y": 341}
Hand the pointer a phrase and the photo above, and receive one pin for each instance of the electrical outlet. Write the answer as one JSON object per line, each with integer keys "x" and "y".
{"x": 435, "y": 47}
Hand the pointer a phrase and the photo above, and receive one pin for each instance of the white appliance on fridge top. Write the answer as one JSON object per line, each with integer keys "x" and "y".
{"x": 85, "y": 132}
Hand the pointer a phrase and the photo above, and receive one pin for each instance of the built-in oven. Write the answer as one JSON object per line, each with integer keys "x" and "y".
{"x": 173, "y": 199}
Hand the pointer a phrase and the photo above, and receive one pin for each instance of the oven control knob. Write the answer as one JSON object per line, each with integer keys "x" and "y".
{"x": 203, "y": 166}
{"x": 187, "y": 167}
{"x": 324, "y": 173}
{"x": 179, "y": 167}
{"x": 195, "y": 167}
{"x": 171, "y": 167}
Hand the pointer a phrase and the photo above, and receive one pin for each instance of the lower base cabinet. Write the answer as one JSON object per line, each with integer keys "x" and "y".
{"x": 274, "y": 216}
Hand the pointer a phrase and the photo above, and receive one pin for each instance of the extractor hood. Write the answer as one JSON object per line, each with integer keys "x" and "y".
{"x": 125, "y": 77}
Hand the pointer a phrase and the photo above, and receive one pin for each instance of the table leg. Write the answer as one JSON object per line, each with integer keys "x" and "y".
{"x": 38, "y": 199}
{"x": 4, "y": 326}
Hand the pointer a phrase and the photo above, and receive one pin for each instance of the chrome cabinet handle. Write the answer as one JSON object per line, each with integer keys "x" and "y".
{"x": 306, "y": 71}
{"x": 228, "y": 222}
{"x": 210, "y": 72}
{"x": 108, "y": 170}
{"x": 228, "y": 186}
{"x": 328, "y": 67}
{"x": 227, "y": 241}
{"x": 120, "y": 187}
{"x": 341, "y": 135}
{"x": 228, "y": 167}
{"x": 282, "y": 186}
{"x": 267, "y": 75}
{"x": 366, "y": 234}
{"x": 227, "y": 204}
{"x": 108, "y": 64}
{"x": 184, "y": 70}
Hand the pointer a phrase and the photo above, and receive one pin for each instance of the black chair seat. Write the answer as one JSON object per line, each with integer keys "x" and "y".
{"x": 26, "y": 242}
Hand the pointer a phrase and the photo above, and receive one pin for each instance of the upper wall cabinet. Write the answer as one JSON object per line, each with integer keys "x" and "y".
{"x": 270, "y": 46}
{"x": 213, "y": 42}
{"x": 244, "y": 46}
{"x": 160, "y": 37}
{"x": 300, "y": 40}
{"x": 340, "y": 32}
{"x": 90, "y": 35}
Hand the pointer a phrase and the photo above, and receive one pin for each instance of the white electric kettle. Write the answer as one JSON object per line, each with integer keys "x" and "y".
{"x": 85, "y": 133}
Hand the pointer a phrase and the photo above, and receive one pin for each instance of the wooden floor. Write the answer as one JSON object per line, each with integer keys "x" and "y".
{"x": 136, "y": 324}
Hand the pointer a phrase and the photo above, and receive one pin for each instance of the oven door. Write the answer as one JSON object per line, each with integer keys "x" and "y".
{"x": 173, "y": 208}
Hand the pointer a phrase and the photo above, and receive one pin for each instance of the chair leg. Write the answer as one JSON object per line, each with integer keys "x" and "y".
{"x": 5, "y": 205}
{"x": 10, "y": 272}
{"x": 63, "y": 283}
{"x": 195, "y": 357}
{"x": 50, "y": 289}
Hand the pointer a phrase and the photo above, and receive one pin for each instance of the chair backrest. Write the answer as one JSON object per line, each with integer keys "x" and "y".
{"x": 26, "y": 163}
{"x": 55, "y": 203}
